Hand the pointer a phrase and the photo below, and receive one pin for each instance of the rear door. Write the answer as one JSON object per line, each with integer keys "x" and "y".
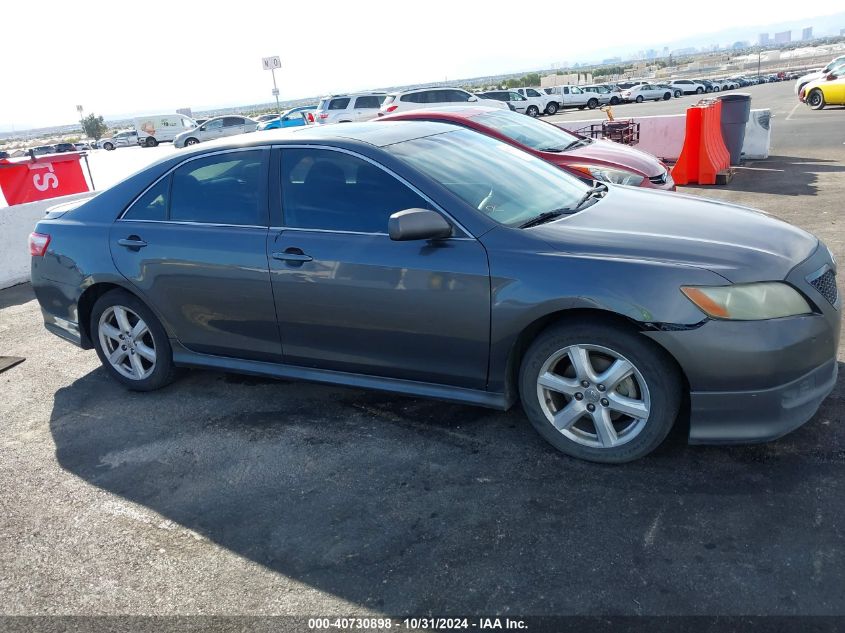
{"x": 348, "y": 298}
{"x": 233, "y": 125}
{"x": 367, "y": 107}
{"x": 194, "y": 247}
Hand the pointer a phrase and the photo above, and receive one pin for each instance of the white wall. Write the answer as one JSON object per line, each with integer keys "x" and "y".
{"x": 16, "y": 223}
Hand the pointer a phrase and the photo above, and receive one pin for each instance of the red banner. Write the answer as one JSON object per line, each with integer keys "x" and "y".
{"x": 41, "y": 178}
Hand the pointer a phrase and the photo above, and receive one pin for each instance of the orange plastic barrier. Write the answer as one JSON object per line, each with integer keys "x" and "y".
{"x": 704, "y": 153}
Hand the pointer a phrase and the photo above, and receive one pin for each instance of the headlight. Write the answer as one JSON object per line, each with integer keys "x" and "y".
{"x": 748, "y": 302}
{"x": 609, "y": 174}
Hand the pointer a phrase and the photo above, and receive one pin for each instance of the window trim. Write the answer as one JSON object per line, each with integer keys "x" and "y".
{"x": 264, "y": 199}
{"x": 277, "y": 219}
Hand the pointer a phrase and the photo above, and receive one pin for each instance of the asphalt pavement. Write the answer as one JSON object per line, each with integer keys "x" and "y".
{"x": 225, "y": 494}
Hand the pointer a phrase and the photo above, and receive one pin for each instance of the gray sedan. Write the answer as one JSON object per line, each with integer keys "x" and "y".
{"x": 430, "y": 260}
{"x": 218, "y": 127}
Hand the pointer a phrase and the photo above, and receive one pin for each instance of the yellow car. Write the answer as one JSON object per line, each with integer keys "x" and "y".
{"x": 829, "y": 90}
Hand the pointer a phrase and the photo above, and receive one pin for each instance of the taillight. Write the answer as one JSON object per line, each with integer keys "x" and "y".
{"x": 310, "y": 117}
{"x": 391, "y": 108}
{"x": 324, "y": 115}
{"x": 38, "y": 243}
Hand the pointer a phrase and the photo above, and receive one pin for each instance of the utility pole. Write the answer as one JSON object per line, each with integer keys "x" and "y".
{"x": 759, "y": 53}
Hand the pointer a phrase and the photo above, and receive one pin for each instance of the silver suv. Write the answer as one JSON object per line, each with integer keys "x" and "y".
{"x": 347, "y": 108}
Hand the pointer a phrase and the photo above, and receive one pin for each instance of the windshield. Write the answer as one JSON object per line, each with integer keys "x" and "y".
{"x": 527, "y": 131}
{"x": 505, "y": 183}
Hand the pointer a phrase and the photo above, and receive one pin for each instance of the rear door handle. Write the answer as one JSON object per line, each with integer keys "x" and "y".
{"x": 293, "y": 255}
{"x": 132, "y": 241}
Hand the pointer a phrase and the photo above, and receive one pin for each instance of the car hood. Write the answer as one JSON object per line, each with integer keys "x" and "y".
{"x": 738, "y": 243}
{"x": 614, "y": 154}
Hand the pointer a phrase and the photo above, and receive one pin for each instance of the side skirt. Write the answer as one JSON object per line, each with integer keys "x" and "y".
{"x": 186, "y": 358}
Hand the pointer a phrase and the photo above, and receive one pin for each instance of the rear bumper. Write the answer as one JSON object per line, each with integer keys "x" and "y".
{"x": 742, "y": 417}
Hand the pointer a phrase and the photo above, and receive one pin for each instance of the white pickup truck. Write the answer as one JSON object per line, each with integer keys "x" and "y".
{"x": 548, "y": 102}
{"x": 573, "y": 97}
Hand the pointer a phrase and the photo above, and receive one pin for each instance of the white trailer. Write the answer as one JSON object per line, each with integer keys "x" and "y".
{"x": 159, "y": 128}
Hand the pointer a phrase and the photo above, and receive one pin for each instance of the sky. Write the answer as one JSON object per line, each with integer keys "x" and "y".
{"x": 119, "y": 59}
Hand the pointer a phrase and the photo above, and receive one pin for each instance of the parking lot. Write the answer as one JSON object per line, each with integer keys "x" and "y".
{"x": 226, "y": 494}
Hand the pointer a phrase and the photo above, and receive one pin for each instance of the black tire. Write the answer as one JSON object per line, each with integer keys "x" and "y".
{"x": 151, "y": 142}
{"x": 639, "y": 99}
{"x": 108, "y": 146}
{"x": 661, "y": 377}
{"x": 164, "y": 371}
{"x": 581, "y": 107}
{"x": 533, "y": 112}
{"x": 715, "y": 88}
{"x": 816, "y": 99}
{"x": 667, "y": 96}
{"x": 592, "y": 104}
{"x": 679, "y": 94}
{"x": 699, "y": 90}
{"x": 551, "y": 108}
{"x": 614, "y": 101}
{"x": 191, "y": 141}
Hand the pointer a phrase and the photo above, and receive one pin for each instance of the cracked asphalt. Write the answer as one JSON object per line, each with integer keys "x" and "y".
{"x": 226, "y": 494}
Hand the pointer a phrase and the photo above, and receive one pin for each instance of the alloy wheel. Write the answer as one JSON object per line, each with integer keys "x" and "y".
{"x": 127, "y": 342}
{"x": 593, "y": 396}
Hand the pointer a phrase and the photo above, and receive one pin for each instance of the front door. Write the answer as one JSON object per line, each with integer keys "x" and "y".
{"x": 348, "y": 298}
{"x": 194, "y": 247}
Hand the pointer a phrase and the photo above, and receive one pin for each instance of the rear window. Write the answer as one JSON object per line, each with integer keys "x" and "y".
{"x": 339, "y": 104}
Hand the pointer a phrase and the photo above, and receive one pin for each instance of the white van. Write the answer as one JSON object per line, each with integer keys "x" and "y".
{"x": 159, "y": 128}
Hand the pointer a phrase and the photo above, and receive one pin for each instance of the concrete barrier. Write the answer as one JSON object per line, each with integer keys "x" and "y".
{"x": 16, "y": 223}
{"x": 663, "y": 135}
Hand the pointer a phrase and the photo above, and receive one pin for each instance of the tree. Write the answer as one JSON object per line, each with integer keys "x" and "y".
{"x": 94, "y": 126}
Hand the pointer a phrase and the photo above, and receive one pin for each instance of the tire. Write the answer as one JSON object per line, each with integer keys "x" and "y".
{"x": 614, "y": 101}
{"x": 816, "y": 99}
{"x": 651, "y": 384}
{"x": 667, "y": 96}
{"x": 592, "y": 104}
{"x": 581, "y": 107}
{"x": 134, "y": 369}
{"x": 699, "y": 90}
{"x": 639, "y": 99}
{"x": 679, "y": 94}
{"x": 533, "y": 112}
{"x": 551, "y": 108}
{"x": 108, "y": 146}
{"x": 715, "y": 88}
{"x": 150, "y": 142}
{"x": 191, "y": 141}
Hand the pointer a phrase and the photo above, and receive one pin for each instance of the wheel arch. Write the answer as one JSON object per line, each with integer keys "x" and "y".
{"x": 86, "y": 301}
{"x": 592, "y": 315}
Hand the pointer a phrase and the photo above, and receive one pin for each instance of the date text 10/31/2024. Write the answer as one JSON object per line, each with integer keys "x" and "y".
{"x": 425, "y": 623}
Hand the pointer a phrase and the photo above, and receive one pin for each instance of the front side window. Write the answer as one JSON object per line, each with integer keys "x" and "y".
{"x": 576, "y": 91}
{"x": 216, "y": 124}
{"x": 220, "y": 189}
{"x": 152, "y": 205}
{"x": 505, "y": 183}
{"x": 533, "y": 93}
{"x": 517, "y": 97}
{"x": 456, "y": 96}
{"x": 335, "y": 191}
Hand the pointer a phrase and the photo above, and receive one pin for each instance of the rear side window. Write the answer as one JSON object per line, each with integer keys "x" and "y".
{"x": 414, "y": 97}
{"x": 339, "y": 104}
{"x": 221, "y": 189}
{"x": 334, "y": 191}
{"x": 368, "y": 102}
{"x": 152, "y": 205}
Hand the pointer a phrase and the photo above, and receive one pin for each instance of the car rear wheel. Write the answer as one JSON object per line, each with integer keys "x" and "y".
{"x": 131, "y": 343}
{"x": 614, "y": 101}
{"x": 533, "y": 111}
{"x": 715, "y": 88}
{"x": 816, "y": 99}
{"x": 108, "y": 146}
{"x": 599, "y": 392}
{"x": 678, "y": 93}
{"x": 592, "y": 104}
{"x": 699, "y": 90}
{"x": 191, "y": 141}
{"x": 551, "y": 108}
{"x": 639, "y": 99}
{"x": 667, "y": 96}
{"x": 151, "y": 142}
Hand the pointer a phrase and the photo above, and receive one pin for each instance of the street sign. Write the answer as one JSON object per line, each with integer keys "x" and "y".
{"x": 79, "y": 109}
{"x": 271, "y": 63}
{"x": 275, "y": 92}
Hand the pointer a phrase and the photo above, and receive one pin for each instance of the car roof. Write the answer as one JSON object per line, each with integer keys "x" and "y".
{"x": 446, "y": 112}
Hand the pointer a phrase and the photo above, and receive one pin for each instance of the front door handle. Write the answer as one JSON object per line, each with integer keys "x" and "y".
{"x": 293, "y": 255}
{"x": 133, "y": 241}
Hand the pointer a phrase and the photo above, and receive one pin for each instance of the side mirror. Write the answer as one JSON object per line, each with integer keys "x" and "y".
{"x": 831, "y": 77}
{"x": 202, "y": 128}
{"x": 473, "y": 99}
{"x": 418, "y": 224}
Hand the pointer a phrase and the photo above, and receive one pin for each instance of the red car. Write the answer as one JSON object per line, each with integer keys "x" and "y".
{"x": 586, "y": 158}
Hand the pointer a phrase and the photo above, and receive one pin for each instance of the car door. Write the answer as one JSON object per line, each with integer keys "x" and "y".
{"x": 233, "y": 125}
{"x": 348, "y": 298}
{"x": 212, "y": 129}
{"x": 367, "y": 107}
{"x": 519, "y": 103}
{"x": 194, "y": 247}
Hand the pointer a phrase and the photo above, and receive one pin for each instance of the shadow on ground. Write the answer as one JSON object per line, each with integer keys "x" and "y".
{"x": 413, "y": 506}
{"x": 779, "y": 175}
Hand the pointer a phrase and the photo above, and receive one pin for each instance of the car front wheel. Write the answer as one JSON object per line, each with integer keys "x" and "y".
{"x": 699, "y": 90}
{"x": 639, "y": 99}
{"x": 592, "y": 104}
{"x": 599, "y": 392}
{"x": 551, "y": 108}
{"x": 191, "y": 141}
{"x": 816, "y": 100}
{"x": 131, "y": 343}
